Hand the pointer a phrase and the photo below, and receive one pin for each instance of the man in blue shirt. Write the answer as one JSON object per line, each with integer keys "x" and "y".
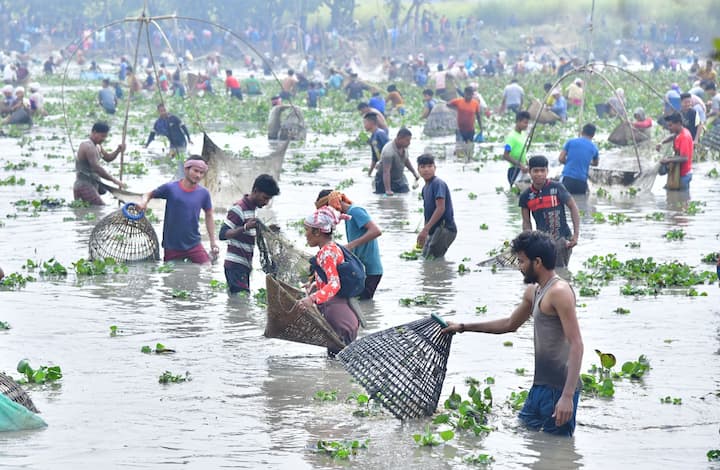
{"x": 377, "y": 101}
{"x": 362, "y": 234}
{"x": 577, "y": 155}
{"x": 440, "y": 230}
{"x": 176, "y": 132}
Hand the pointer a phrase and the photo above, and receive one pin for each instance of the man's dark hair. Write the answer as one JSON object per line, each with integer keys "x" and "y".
{"x": 197, "y": 157}
{"x": 538, "y": 161}
{"x": 589, "y": 130}
{"x": 161, "y": 105}
{"x": 522, "y": 115}
{"x": 362, "y": 106}
{"x": 372, "y": 117}
{"x": 106, "y": 82}
{"x": 536, "y": 244}
{"x": 404, "y": 132}
{"x": 708, "y": 85}
{"x": 675, "y": 118}
{"x": 468, "y": 89}
{"x": 266, "y": 184}
{"x": 323, "y": 193}
{"x": 228, "y": 72}
{"x": 440, "y": 67}
{"x": 547, "y": 86}
{"x": 684, "y": 96}
{"x": 428, "y": 92}
{"x": 391, "y": 88}
{"x": 291, "y": 72}
{"x": 425, "y": 159}
{"x": 101, "y": 127}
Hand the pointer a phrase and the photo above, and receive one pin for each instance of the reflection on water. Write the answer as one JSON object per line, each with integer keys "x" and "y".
{"x": 552, "y": 452}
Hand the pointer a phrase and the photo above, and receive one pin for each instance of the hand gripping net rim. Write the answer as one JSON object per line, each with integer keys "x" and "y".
{"x": 402, "y": 367}
{"x": 124, "y": 240}
{"x": 16, "y": 393}
{"x": 286, "y": 321}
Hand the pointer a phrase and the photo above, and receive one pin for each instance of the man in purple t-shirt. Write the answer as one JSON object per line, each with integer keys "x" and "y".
{"x": 185, "y": 198}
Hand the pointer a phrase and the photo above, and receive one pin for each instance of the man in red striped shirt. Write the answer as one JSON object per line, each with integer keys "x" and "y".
{"x": 239, "y": 231}
{"x": 546, "y": 200}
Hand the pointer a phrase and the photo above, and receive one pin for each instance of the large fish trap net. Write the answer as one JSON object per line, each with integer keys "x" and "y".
{"x": 16, "y": 393}
{"x": 286, "y": 320}
{"x": 403, "y": 367}
{"x": 280, "y": 258}
{"x": 125, "y": 235}
{"x": 441, "y": 121}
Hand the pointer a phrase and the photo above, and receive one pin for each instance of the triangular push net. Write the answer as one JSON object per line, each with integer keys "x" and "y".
{"x": 403, "y": 367}
{"x": 124, "y": 235}
{"x": 280, "y": 258}
{"x": 285, "y": 320}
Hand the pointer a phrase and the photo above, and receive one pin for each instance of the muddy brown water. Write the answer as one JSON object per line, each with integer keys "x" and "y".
{"x": 249, "y": 404}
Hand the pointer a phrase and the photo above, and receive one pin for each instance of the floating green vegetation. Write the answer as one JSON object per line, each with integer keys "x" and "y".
{"x": 695, "y": 207}
{"x": 79, "y": 203}
{"x": 603, "y": 194}
{"x": 159, "y": 349}
{"x": 508, "y": 344}
{"x": 14, "y": 281}
{"x": 520, "y": 370}
{"x": 261, "y": 297}
{"x": 344, "y": 184}
{"x": 218, "y": 285}
{"x": 358, "y": 142}
{"x": 618, "y": 218}
{"x": 642, "y": 276}
{"x": 633, "y": 245}
{"x": 463, "y": 269}
{"x": 166, "y": 267}
{"x": 168, "y": 377}
{"x": 668, "y": 400}
{"x": 323, "y": 395}
{"x": 516, "y": 400}
{"x": 341, "y": 450}
{"x": 713, "y": 455}
{"x": 472, "y": 196}
{"x": 12, "y": 181}
{"x": 675, "y": 234}
{"x": 40, "y": 375}
{"x": 181, "y": 294}
{"x": 114, "y": 331}
{"x": 484, "y": 227}
{"x": 713, "y": 173}
{"x": 411, "y": 255}
{"x": 711, "y": 258}
{"x": 98, "y": 267}
{"x": 479, "y": 459}
{"x": 622, "y": 311}
{"x": 136, "y": 168}
{"x": 50, "y": 267}
{"x": 481, "y": 309}
{"x": 420, "y": 300}
{"x": 657, "y": 216}
{"x": 599, "y": 217}
{"x": 429, "y": 438}
{"x": 4, "y": 325}
{"x": 469, "y": 414}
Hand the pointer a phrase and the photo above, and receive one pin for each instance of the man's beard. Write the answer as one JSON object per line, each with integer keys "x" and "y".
{"x": 530, "y": 277}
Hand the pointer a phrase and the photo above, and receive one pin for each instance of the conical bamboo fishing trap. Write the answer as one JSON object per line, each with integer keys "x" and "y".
{"x": 16, "y": 393}
{"x": 124, "y": 235}
{"x": 403, "y": 367}
{"x": 286, "y": 320}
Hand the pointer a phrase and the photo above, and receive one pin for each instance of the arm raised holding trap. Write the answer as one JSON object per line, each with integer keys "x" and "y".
{"x": 558, "y": 343}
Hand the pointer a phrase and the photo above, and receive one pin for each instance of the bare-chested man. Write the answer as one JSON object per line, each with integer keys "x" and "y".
{"x": 88, "y": 170}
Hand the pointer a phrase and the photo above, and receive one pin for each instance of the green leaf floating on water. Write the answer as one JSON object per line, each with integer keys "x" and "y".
{"x": 607, "y": 360}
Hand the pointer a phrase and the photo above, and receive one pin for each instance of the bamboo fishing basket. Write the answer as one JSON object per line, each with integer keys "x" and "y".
{"x": 403, "y": 367}
{"x": 16, "y": 393}
{"x": 124, "y": 235}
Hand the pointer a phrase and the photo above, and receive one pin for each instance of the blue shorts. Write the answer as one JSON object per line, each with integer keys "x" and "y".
{"x": 238, "y": 280}
{"x": 540, "y": 406}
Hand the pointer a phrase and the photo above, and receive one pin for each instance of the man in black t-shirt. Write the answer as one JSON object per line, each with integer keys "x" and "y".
{"x": 546, "y": 200}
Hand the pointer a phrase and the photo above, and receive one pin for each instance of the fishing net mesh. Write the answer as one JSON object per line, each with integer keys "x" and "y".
{"x": 279, "y": 257}
{"x": 402, "y": 367}
{"x": 441, "y": 121}
{"x": 289, "y": 322}
{"x": 15, "y": 392}
{"x": 124, "y": 239}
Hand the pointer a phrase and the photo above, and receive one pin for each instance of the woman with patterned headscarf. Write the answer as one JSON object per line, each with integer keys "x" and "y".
{"x": 319, "y": 228}
{"x": 362, "y": 234}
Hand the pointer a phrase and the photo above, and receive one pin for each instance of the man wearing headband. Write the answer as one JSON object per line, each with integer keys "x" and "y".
{"x": 185, "y": 198}
{"x": 88, "y": 170}
{"x": 362, "y": 234}
{"x": 239, "y": 231}
{"x": 319, "y": 227}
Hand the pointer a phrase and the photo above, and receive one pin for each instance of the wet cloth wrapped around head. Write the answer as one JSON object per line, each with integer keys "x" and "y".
{"x": 334, "y": 200}
{"x": 325, "y": 219}
{"x": 195, "y": 163}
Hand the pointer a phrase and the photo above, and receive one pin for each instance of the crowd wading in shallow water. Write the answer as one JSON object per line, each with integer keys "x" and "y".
{"x": 552, "y": 403}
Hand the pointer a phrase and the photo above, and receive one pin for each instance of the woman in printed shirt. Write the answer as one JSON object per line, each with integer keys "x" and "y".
{"x": 319, "y": 227}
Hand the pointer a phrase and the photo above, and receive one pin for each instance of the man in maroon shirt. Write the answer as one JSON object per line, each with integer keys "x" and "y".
{"x": 683, "y": 146}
